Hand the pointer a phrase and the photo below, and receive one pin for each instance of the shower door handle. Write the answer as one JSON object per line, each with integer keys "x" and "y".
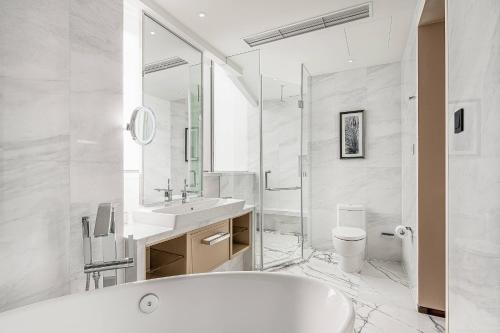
{"x": 267, "y": 188}
{"x": 293, "y": 188}
{"x": 265, "y": 179}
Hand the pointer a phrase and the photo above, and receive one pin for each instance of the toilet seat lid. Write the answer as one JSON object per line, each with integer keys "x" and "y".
{"x": 349, "y": 233}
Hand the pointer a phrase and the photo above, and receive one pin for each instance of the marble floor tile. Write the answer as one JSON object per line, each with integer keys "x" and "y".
{"x": 380, "y": 292}
{"x": 279, "y": 247}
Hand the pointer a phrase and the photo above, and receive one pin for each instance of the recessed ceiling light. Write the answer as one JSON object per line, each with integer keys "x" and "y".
{"x": 350, "y": 61}
{"x": 152, "y": 33}
{"x": 202, "y": 14}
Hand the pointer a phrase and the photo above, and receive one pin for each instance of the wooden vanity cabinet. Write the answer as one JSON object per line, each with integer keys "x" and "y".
{"x": 210, "y": 247}
{"x": 200, "y": 250}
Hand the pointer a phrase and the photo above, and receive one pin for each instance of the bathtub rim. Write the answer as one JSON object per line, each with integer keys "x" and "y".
{"x": 347, "y": 322}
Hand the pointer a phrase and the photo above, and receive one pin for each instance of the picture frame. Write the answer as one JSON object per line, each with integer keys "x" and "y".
{"x": 352, "y": 134}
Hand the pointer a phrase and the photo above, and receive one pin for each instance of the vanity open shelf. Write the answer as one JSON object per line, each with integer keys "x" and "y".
{"x": 240, "y": 233}
{"x": 200, "y": 250}
{"x": 167, "y": 258}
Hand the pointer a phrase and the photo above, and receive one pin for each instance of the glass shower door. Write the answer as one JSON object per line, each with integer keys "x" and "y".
{"x": 282, "y": 228}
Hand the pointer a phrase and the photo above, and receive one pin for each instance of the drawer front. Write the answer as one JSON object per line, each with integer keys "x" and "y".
{"x": 210, "y": 247}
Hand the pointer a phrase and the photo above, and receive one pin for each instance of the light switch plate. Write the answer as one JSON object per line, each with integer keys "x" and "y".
{"x": 459, "y": 121}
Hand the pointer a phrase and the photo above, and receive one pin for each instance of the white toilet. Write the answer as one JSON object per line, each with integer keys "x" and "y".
{"x": 349, "y": 237}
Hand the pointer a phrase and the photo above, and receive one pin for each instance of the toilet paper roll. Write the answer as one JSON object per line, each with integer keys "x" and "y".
{"x": 401, "y": 231}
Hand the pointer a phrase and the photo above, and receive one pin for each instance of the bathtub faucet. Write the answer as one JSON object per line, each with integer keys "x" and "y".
{"x": 104, "y": 231}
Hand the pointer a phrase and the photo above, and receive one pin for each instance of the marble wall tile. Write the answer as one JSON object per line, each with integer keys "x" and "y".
{"x": 96, "y": 34}
{"x": 96, "y": 128}
{"x": 34, "y": 40}
{"x": 409, "y": 152}
{"x": 26, "y": 105}
{"x": 238, "y": 186}
{"x": 34, "y": 151}
{"x": 60, "y": 138}
{"x": 375, "y": 181}
{"x": 474, "y": 178}
{"x": 211, "y": 185}
{"x": 33, "y": 231}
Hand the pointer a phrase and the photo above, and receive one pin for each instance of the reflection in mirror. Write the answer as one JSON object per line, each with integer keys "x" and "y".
{"x": 142, "y": 125}
{"x": 172, "y": 88}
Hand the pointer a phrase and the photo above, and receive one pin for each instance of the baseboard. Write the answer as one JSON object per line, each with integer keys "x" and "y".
{"x": 432, "y": 312}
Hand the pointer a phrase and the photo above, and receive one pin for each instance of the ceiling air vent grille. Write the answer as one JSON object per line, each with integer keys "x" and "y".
{"x": 313, "y": 24}
{"x": 164, "y": 64}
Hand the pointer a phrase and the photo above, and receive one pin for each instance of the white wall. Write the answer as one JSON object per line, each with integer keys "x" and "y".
{"x": 474, "y": 167}
{"x": 61, "y": 139}
{"x": 374, "y": 181}
{"x": 231, "y": 110}
{"x": 132, "y": 98}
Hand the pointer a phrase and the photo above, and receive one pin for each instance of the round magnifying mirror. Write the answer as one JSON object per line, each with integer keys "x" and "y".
{"x": 143, "y": 125}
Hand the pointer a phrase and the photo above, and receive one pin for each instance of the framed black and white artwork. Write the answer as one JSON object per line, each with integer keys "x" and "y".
{"x": 352, "y": 134}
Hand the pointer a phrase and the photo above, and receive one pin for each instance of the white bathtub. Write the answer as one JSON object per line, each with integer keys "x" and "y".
{"x": 246, "y": 302}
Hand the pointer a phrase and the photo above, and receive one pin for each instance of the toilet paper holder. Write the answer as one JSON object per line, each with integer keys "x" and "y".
{"x": 409, "y": 229}
{"x": 403, "y": 229}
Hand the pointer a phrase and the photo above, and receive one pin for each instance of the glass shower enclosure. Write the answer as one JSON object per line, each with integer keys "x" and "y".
{"x": 282, "y": 229}
{"x": 260, "y": 136}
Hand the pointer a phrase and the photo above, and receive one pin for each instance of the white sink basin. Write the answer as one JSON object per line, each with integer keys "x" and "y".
{"x": 190, "y": 213}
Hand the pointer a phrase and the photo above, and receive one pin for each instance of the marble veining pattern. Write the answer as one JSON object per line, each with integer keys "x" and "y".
{"x": 380, "y": 293}
{"x": 279, "y": 247}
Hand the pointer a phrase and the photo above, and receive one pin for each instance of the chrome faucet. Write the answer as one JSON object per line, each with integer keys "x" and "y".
{"x": 105, "y": 230}
{"x": 168, "y": 192}
{"x": 184, "y": 192}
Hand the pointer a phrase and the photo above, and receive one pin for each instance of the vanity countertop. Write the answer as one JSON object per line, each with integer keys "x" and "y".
{"x": 151, "y": 234}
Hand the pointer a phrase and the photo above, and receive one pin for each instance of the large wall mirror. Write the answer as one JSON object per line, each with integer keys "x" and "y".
{"x": 172, "y": 89}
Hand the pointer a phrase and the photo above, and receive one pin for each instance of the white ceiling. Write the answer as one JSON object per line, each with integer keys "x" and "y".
{"x": 376, "y": 40}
